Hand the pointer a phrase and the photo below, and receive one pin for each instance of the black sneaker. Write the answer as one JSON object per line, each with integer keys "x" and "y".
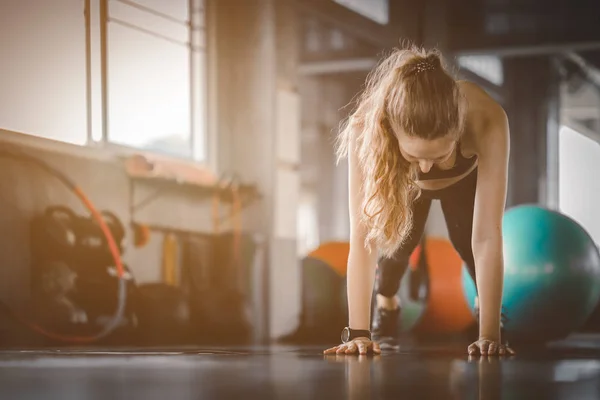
{"x": 384, "y": 328}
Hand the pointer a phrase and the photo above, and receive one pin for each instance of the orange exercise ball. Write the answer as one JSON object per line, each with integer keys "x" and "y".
{"x": 447, "y": 310}
{"x": 335, "y": 254}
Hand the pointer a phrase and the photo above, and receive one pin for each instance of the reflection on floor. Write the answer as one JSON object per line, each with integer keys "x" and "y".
{"x": 569, "y": 370}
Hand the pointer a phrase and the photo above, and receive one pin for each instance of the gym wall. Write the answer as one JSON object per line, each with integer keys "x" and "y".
{"x": 252, "y": 107}
{"x": 26, "y": 191}
{"x": 48, "y": 100}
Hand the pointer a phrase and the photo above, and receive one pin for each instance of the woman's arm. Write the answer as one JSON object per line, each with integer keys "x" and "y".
{"x": 361, "y": 266}
{"x": 361, "y": 261}
{"x": 490, "y": 200}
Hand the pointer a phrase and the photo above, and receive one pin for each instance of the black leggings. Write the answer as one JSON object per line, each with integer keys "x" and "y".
{"x": 458, "y": 203}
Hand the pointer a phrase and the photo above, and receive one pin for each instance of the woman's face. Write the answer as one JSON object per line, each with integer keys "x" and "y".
{"x": 425, "y": 152}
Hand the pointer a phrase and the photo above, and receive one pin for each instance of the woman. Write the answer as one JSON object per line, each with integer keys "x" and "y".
{"x": 418, "y": 134}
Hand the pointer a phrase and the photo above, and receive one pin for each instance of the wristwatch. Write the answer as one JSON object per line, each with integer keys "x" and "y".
{"x": 351, "y": 334}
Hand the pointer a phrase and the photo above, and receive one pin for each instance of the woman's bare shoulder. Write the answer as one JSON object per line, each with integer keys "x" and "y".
{"x": 479, "y": 100}
{"x": 484, "y": 112}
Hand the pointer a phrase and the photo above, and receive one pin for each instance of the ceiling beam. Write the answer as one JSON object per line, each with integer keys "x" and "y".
{"x": 531, "y": 50}
{"x": 591, "y": 71}
{"x": 349, "y": 21}
{"x": 337, "y": 66}
{"x": 366, "y": 64}
{"x": 583, "y": 112}
{"x": 342, "y": 54}
{"x": 576, "y": 126}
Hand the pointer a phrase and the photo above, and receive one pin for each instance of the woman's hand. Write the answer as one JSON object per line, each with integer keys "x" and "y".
{"x": 486, "y": 347}
{"x": 356, "y": 346}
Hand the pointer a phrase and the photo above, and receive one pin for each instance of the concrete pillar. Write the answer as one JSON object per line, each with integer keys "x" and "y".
{"x": 285, "y": 282}
{"x": 253, "y": 103}
{"x": 333, "y": 95}
{"x": 532, "y": 87}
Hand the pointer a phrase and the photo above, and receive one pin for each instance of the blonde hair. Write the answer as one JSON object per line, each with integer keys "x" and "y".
{"x": 409, "y": 91}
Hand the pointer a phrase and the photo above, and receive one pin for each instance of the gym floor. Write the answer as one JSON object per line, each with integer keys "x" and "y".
{"x": 566, "y": 370}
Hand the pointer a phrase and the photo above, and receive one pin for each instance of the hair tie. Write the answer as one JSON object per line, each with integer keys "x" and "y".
{"x": 422, "y": 66}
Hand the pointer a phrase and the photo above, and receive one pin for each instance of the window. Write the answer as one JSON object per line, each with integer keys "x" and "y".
{"x": 308, "y": 223}
{"x": 579, "y": 188}
{"x": 377, "y": 10}
{"x": 150, "y": 80}
{"x": 151, "y": 94}
{"x": 43, "y": 69}
{"x": 488, "y": 67}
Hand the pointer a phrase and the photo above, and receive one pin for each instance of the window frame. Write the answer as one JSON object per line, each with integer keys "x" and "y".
{"x": 97, "y": 23}
{"x": 97, "y": 142}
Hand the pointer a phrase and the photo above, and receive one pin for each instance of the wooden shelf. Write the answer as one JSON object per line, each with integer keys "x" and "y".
{"x": 224, "y": 191}
{"x": 165, "y": 175}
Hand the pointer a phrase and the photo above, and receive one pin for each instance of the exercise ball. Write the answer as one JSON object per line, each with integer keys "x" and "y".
{"x": 413, "y": 303}
{"x": 324, "y": 307}
{"x": 335, "y": 254}
{"x": 551, "y": 275}
{"x": 447, "y": 311}
{"x": 323, "y": 300}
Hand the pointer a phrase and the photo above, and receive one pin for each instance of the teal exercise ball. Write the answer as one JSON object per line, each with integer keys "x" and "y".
{"x": 551, "y": 275}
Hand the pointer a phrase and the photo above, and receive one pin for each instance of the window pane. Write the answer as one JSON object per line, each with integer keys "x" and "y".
{"x": 488, "y": 67}
{"x": 43, "y": 69}
{"x": 148, "y": 91}
{"x": 579, "y": 187}
{"x": 377, "y": 10}
{"x": 178, "y": 9}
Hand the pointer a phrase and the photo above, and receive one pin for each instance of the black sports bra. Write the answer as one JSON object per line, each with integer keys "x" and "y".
{"x": 461, "y": 165}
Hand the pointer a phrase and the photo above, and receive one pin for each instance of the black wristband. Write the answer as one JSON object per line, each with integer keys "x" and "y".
{"x": 351, "y": 334}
